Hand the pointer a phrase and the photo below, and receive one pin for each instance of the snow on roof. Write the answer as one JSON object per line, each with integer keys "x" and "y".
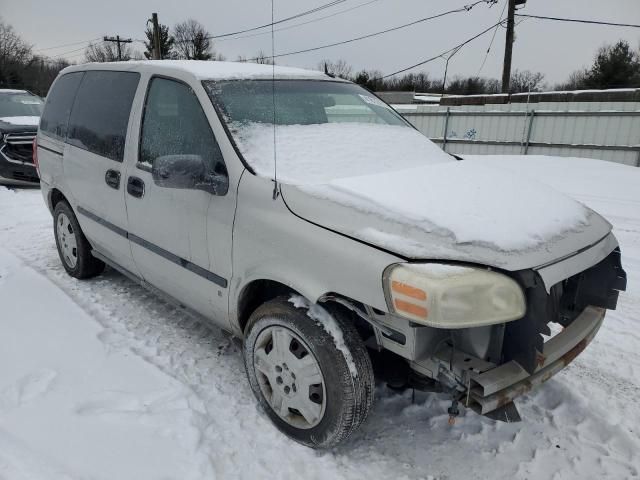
{"x": 573, "y": 92}
{"x": 477, "y": 95}
{"x": 11, "y": 90}
{"x": 428, "y": 98}
{"x": 214, "y": 70}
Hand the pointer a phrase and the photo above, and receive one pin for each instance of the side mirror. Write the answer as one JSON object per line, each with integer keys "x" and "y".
{"x": 188, "y": 172}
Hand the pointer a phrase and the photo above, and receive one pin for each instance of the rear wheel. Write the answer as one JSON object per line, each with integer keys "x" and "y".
{"x": 73, "y": 247}
{"x": 303, "y": 381}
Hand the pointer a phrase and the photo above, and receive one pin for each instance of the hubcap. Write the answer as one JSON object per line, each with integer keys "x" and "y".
{"x": 289, "y": 377}
{"x": 67, "y": 241}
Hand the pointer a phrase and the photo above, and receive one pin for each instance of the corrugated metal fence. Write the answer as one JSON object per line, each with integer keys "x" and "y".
{"x": 604, "y": 130}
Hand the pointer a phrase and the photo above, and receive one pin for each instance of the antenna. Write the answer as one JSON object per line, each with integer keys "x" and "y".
{"x": 273, "y": 95}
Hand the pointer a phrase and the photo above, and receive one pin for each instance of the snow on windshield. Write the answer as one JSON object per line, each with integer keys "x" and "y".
{"x": 308, "y": 154}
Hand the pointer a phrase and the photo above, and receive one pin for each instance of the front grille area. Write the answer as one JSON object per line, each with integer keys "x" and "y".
{"x": 597, "y": 286}
{"x": 17, "y": 147}
{"x": 25, "y": 177}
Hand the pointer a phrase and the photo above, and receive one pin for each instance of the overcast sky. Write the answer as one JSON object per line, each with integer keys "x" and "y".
{"x": 554, "y": 48}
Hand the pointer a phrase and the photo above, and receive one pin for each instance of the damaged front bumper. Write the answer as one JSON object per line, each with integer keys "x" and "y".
{"x": 499, "y": 386}
{"x": 488, "y": 388}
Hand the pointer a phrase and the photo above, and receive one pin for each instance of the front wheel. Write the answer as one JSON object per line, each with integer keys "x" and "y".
{"x": 315, "y": 389}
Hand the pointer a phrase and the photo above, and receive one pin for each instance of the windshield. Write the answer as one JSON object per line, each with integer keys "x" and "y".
{"x": 20, "y": 105}
{"x": 324, "y": 129}
{"x": 299, "y": 102}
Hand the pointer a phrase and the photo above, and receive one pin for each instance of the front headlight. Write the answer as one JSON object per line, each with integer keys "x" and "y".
{"x": 452, "y": 296}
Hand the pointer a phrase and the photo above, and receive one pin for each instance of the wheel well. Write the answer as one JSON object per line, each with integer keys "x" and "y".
{"x": 257, "y": 293}
{"x": 261, "y": 291}
{"x": 56, "y": 197}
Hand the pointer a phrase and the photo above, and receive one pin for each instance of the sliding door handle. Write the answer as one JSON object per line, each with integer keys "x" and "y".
{"x": 112, "y": 178}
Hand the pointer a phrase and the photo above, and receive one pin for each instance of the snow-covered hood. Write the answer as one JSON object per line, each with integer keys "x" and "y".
{"x": 26, "y": 124}
{"x": 452, "y": 211}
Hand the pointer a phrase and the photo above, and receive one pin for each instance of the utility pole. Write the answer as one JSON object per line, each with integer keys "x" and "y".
{"x": 157, "y": 54}
{"x": 118, "y": 40}
{"x": 508, "y": 47}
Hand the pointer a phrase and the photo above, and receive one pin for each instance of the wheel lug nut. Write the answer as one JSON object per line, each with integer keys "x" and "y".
{"x": 278, "y": 368}
{"x": 293, "y": 387}
{"x": 287, "y": 389}
{"x": 293, "y": 375}
{"x": 279, "y": 380}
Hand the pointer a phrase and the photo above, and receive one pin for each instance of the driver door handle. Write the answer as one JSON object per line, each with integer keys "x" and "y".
{"x": 135, "y": 187}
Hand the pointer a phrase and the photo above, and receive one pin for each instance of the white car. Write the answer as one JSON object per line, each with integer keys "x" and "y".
{"x": 303, "y": 214}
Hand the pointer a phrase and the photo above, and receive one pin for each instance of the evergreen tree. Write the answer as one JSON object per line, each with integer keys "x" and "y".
{"x": 166, "y": 42}
{"x": 615, "y": 66}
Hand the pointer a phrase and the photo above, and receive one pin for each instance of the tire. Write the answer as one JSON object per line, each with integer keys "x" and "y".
{"x": 344, "y": 399}
{"x": 73, "y": 247}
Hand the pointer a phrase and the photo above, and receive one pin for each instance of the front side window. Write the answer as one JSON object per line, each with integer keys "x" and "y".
{"x": 174, "y": 124}
{"x": 100, "y": 114}
{"x": 55, "y": 117}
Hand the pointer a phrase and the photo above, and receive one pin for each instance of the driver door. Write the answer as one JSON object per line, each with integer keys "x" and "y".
{"x": 168, "y": 226}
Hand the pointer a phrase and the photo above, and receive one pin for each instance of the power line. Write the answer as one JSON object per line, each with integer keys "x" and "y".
{"x": 465, "y": 8}
{"x": 301, "y": 23}
{"x": 493, "y": 37}
{"x": 577, "y": 20}
{"x": 441, "y": 55}
{"x": 63, "y": 54}
{"x": 293, "y": 17}
{"x": 57, "y": 60}
{"x": 66, "y": 45}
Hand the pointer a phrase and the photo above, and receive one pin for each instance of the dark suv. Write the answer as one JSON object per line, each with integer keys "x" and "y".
{"x": 19, "y": 117}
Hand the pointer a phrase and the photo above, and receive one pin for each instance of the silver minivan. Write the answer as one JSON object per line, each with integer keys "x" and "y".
{"x": 304, "y": 215}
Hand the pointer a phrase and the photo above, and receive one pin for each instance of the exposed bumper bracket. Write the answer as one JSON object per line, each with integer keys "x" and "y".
{"x": 498, "y": 387}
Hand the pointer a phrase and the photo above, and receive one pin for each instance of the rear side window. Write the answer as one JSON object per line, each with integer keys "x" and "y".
{"x": 58, "y": 107}
{"x": 101, "y": 111}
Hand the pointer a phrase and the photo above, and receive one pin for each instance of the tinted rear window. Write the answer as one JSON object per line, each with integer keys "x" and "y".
{"x": 58, "y": 107}
{"x": 101, "y": 111}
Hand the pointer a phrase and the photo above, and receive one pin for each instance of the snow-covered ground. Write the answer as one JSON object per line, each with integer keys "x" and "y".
{"x": 99, "y": 379}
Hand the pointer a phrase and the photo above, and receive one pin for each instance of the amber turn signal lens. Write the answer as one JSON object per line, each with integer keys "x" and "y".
{"x": 408, "y": 290}
{"x": 411, "y": 308}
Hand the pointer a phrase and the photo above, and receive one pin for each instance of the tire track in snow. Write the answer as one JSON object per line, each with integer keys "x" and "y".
{"x": 566, "y": 433}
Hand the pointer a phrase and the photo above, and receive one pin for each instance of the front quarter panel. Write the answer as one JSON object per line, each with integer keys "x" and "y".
{"x": 271, "y": 243}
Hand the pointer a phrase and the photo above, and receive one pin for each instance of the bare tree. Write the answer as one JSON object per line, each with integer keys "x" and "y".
{"x": 472, "y": 86}
{"x": 263, "y": 58}
{"x": 108, "y": 52}
{"x": 13, "y": 50}
{"x": 526, "y": 81}
{"x": 19, "y": 68}
{"x": 578, "y": 80}
{"x": 339, "y": 68}
{"x": 193, "y": 41}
